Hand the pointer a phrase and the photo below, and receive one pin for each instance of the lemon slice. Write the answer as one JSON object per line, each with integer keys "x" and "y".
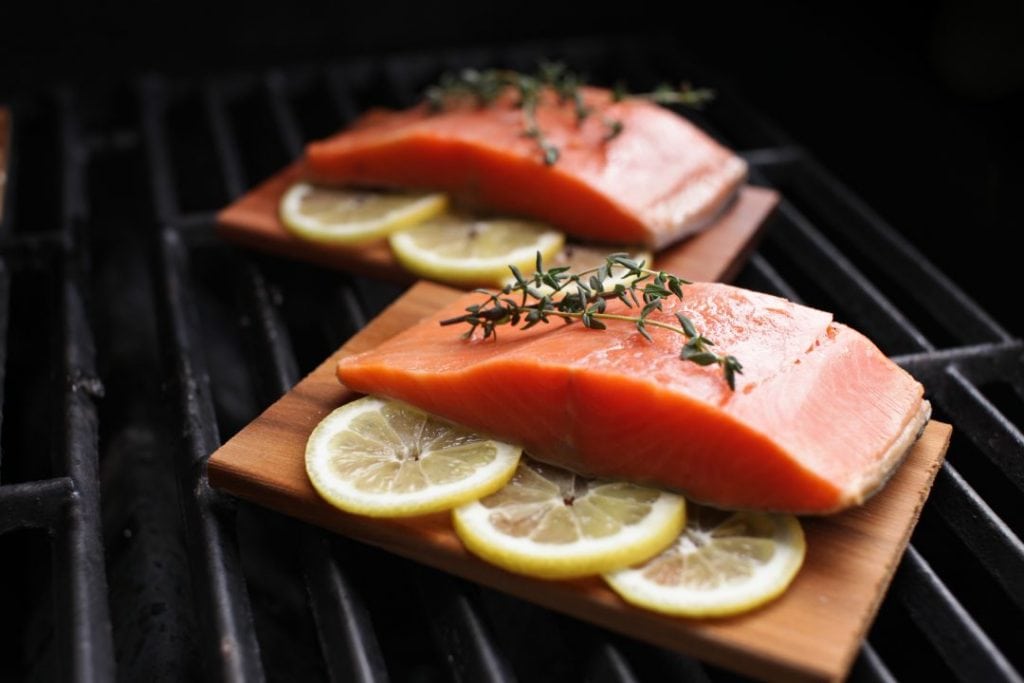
{"x": 548, "y": 522}
{"x": 462, "y": 251}
{"x": 722, "y": 564}
{"x": 382, "y": 458}
{"x": 344, "y": 216}
{"x": 580, "y": 257}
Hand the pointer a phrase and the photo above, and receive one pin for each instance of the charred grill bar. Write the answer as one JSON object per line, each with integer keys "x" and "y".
{"x": 135, "y": 342}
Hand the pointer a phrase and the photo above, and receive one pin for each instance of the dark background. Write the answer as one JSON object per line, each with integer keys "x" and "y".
{"x": 919, "y": 111}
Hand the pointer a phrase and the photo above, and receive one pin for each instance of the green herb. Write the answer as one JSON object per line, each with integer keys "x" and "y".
{"x": 582, "y": 297}
{"x": 483, "y": 87}
{"x": 685, "y": 95}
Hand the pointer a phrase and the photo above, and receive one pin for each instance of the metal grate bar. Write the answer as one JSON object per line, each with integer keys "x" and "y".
{"x": 82, "y": 623}
{"x": 195, "y": 227}
{"x": 460, "y": 631}
{"x": 5, "y": 311}
{"x": 161, "y": 171}
{"x": 224, "y": 140}
{"x": 767, "y": 278}
{"x": 732, "y": 109}
{"x": 341, "y": 95}
{"x": 991, "y": 431}
{"x": 855, "y": 220}
{"x": 821, "y": 259}
{"x": 870, "y": 667}
{"x": 400, "y": 79}
{"x": 351, "y": 304}
{"x": 8, "y": 178}
{"x": 34, "y": 251}
{"x": 73, "y": 156}
{"x": 230, "y": 646}
{"x": 607, "y": 665}
{"x": 901, "y": 261}
{"x": 284, "y": 118}
{"x": 199, "y": 416}
{"x": 292, "y": 139}
{"x": 981, "y": 362}
{"x": 277, "y": 344}
{"x": 674, "y": 666}
{"x": 84, "y": 628}
{"x": 287, "y": 126}
{"x": 773, "y": 156}
{"x": 338, "y": 609}
{"x": 352, "y": 314}
{"x": 998, "y": 549}
{"x": 33, "y": 504}
{"x": 229, "y": 642}
{"x": 957, "y": 637}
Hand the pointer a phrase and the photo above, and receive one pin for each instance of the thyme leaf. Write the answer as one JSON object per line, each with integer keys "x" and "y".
{"x": 583, "y": 297}
{"x": 685, "y": 95}
{"x": 484, "y": 87}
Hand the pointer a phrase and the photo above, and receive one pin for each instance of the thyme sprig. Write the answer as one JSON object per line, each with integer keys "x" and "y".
{"x": 582, "y": 297}
{"x": 484, "y": 87}
{"x": 685, "y": 95}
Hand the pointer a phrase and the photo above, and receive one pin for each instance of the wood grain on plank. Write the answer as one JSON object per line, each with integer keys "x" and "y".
{"x": 812, "y": 632}
{"x": 715, "y": 254}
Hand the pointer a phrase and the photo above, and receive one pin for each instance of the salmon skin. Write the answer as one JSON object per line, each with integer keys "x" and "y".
{"x": 655, "y": 182}
{"x": 818, "y": 421}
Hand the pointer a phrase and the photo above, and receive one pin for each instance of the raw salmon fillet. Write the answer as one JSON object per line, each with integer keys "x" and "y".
{"x": 657, "y": 181}
{"x": 818, "y": 421}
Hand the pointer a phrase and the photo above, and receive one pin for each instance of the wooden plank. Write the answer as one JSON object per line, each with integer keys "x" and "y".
{"x": 714, "y": 254}
{"x": 811, "y": 633}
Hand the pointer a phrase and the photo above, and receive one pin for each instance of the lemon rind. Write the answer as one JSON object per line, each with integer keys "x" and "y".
{"x": 585, "y": 557}
{"x": 470, "y": 271}
{"x": 436, "y": 498}
{"x": 357, "y": 232}
{"x": 729, "y": 600}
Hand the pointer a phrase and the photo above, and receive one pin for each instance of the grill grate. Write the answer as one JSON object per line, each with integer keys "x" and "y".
{"x": 127, "y": 564}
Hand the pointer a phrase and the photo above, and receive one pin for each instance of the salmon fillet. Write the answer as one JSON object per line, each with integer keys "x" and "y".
{"x": 657, "y": 181}
{"x": 818, "y": 421}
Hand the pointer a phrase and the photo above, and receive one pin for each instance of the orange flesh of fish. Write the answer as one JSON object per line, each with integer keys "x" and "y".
{"x": 657, "y": 181}
{"x": 818, "y": 421}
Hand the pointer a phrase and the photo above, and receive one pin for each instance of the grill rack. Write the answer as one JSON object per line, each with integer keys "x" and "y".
{"x": 214, "y": 323}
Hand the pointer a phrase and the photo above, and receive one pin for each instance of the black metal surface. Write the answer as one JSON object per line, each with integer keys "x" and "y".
{"x": 144, "y": 571}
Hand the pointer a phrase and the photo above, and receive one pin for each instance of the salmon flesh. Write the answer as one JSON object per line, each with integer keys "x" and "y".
{"x": 659, "y": 179}
{"x": 818, "y": 421}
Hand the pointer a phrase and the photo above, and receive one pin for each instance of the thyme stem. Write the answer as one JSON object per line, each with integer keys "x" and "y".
{"x": 576, "y": 315}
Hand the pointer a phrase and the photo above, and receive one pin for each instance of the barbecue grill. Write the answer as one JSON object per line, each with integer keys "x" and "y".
{"x": 133, "y": 342}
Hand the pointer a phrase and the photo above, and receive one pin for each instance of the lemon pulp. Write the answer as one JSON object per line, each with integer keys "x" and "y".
{"x": 346, "y": 216}
{"x": 382, "y": 458}
{"x": 461, "y": 250}
{"x": 722, "y": 564}
{"x": 550, "y": 523}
